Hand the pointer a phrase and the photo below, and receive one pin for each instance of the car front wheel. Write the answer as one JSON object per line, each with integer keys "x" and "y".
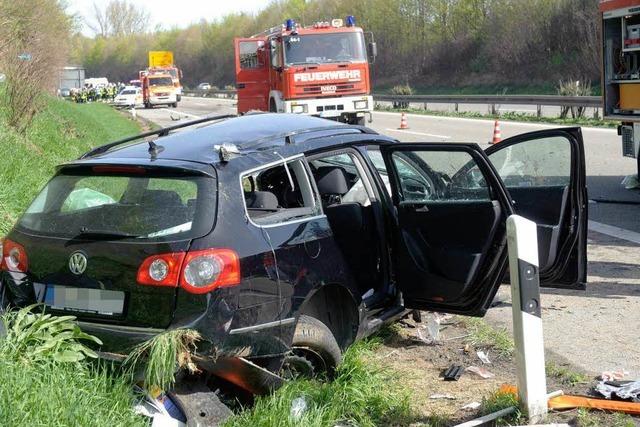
{"x": 314, "y": 350}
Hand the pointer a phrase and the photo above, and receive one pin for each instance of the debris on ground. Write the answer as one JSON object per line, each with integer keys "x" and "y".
{"x": 489, "y": 417}
{"x": 613, "y": 375}
{"x": 160, "y": 408}
{"x": 429, "y": 333}
{"x": 471, "y": 406}
{"x": 453, "y": 373}
{"x": 298, "y": 407}
{"x": 438, "y": 396}
{"x": 484, "y": 357}
{"x": 481, "y": 372}
{"x": 625, "y": 390}
{"x": 572, "y": 402}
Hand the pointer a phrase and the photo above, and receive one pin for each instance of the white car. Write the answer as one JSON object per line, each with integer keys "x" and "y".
{"x": 130, "y": 96}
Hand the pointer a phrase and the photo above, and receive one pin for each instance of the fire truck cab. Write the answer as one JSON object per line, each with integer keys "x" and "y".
{"x": 320, "y": 70}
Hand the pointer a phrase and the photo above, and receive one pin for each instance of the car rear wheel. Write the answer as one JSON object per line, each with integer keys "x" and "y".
{"x": 314, "y": 350}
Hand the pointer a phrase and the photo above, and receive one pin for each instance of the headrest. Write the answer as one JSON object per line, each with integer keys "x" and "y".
{"x": 161, "y": 198}
{"x": 261, "y": 200}
{"x": 332, "y": 180}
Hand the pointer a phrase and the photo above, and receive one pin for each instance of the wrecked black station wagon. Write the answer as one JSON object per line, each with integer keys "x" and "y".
{"x": 284, "y": 238}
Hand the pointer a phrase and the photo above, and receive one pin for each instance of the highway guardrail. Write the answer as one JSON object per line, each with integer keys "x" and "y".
{"x": 491, "y": 100}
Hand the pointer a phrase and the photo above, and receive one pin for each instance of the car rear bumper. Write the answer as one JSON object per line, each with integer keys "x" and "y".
{"x": 163, "y": 99}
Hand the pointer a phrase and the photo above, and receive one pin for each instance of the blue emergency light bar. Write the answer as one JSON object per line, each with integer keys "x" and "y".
{"x": 290, "y": 24}
{"x": 351, "y": 21}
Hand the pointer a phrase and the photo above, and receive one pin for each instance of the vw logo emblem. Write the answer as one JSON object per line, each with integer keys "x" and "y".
{"x": 77, "y": 263}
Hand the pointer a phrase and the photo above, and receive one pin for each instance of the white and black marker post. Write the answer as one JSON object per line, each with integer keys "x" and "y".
{"x": 522, "y": 239}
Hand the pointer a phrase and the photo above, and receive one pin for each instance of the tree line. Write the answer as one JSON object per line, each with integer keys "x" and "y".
{"x": 420, "y": 42}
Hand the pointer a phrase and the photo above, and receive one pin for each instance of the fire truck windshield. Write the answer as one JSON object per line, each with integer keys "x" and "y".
{"x": 160, "y": 81}
{"x": 324, "y": 48}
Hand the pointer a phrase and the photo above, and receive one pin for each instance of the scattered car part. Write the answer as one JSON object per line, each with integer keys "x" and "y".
{"x": 453, "y": 373}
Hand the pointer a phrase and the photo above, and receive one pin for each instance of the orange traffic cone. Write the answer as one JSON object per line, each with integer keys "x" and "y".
{"x": 403, "y": 122}
{"x": 497, "y": 135}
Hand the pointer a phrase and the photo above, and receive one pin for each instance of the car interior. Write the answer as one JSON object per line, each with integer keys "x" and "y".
{"x": 348, "y": 208}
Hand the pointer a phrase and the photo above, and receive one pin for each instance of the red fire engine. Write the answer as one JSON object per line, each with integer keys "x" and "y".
{"x": 320, "y": 70}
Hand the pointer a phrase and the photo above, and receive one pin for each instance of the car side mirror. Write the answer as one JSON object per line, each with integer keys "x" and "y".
{"x": 373, "y": 51}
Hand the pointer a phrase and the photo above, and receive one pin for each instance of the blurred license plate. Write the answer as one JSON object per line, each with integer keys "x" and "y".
{"x": 96, "y": 301}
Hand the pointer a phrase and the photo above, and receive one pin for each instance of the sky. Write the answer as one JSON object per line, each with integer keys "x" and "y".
{"x": 173, "y": 13}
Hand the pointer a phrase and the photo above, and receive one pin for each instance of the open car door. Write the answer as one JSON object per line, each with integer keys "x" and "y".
{"x": 544, "y": 173}
{"x": 450, "y": 252}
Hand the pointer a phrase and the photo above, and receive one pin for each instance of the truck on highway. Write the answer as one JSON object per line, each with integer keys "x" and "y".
{"x": 161, "y": 62}
{"x": 158, "y": 89}
{"x": 320, "y": 70}
{"x": 621, "y": 70}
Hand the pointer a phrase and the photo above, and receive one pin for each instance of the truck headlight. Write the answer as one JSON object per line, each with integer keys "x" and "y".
{"x": 360, "y": 105}
{"x": 299, "y": 109}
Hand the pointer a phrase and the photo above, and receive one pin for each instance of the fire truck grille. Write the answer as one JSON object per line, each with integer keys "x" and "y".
{"x": 327, "y": 89}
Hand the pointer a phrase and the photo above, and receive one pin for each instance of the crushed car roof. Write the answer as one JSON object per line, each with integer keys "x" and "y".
{"x": 249, "y": 133}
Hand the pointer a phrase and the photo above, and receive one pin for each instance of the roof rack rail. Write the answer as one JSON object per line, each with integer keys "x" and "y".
{"x": 289, "y": 137}
{"x": 160, "y": 132}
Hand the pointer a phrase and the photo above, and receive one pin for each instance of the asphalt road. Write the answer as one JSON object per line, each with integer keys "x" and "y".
{"x": 606, "y": 168}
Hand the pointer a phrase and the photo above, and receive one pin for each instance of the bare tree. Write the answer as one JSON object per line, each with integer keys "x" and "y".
{"x": 119, "y": 18}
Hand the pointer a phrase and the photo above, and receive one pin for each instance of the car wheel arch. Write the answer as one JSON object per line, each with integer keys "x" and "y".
{"x": 334, "y": 305}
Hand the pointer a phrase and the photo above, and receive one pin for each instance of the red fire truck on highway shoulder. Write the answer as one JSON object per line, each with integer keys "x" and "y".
{"x": 321, "y": 70}
{"x": 621, "y": 70}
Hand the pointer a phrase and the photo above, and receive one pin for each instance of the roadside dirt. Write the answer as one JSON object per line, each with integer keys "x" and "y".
{"x": 586, "y": 332}
{"x": 420, "y": 367}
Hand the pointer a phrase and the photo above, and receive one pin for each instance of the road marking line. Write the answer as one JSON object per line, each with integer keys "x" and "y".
{"x": 181, "y": 113}
{"x": 613, "y": 231}
{"x": 418, "y": 133}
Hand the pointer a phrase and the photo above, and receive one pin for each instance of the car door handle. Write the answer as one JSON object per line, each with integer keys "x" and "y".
{"x": 240, "y": 85}
{"x": 422, "y": 208}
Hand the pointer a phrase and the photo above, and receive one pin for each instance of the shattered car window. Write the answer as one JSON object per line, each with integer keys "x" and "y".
{"x": 537, "y": 163}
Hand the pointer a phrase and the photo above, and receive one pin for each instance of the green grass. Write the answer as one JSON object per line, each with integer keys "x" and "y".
{"x": 362, "y": 394}
{"x": 498, "y": 401}
{"x": 565, "y": 375}
{"x": 481, "y": 334}
{"x": 40, "y": 389}
{"x": 60, "y": 133}
{"x": 594, "y": 418}
{"x": 508, "y": 116}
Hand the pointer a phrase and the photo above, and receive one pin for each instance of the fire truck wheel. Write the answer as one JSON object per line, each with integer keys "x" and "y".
{"x": 174, "y": 105}
{"x": 272, "y": 106}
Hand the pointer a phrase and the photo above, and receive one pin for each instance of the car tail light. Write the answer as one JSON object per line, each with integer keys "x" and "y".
{"x": 161, "y": 270}
{"x": 197, "y": 272}
{"x": 14, "y": 257}
{"x": 206, "y": 270}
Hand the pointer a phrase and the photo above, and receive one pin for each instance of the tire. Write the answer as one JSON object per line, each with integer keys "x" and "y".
{"x": 174, "y": 105}
{"x": 314, "y": 350}
{"x": 360, "y": 121}
{"x": 272, "y": 106}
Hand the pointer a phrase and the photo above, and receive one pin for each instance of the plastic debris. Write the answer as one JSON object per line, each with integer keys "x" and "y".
{"x": 484, "y": 357}
{"x": 298, "y": 407}
{"x": 429, "y": 333}
{"x": 453, "y": 373}
{"x": 472, "y": 405}
{"x": 442, "y": 396}
{"x": 613, "y": 375}
{"x": 483, "y": 420}
{"x": 625, "y": 390}
{"x": 160, "y": 408}
{"x": 481, "y": 372}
